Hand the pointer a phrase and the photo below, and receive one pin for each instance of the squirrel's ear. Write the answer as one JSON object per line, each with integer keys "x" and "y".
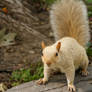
{"x": 58, "y": 46}
{"x": 43, "y": 45}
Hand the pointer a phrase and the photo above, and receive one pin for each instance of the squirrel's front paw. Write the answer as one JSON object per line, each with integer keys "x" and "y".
{"x": 41, "y": 81}
{"x": 84, "y": 73}
{"x": 71, "y": 88}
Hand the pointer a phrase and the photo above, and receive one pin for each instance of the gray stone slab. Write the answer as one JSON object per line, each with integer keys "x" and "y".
{"x": 57, "y": 84}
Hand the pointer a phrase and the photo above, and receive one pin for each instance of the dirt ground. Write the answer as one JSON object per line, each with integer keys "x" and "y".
{"x": 27, "y": 47}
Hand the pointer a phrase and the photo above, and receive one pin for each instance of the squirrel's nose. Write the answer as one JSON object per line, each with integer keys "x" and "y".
{"x": 48, "y": 63}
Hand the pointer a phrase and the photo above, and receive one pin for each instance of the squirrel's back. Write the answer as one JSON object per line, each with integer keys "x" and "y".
{"x": 69, "y": 19}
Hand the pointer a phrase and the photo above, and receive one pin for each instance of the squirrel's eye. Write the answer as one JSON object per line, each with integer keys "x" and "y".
{"x": 41, "y": 54}
{"x": 56, "y": 54}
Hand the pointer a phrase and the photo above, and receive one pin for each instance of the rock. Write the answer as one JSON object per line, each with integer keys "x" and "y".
{"x": 57, "y": 84}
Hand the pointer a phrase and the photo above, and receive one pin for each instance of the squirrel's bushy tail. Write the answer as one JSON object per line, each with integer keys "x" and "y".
{"x": 69, "y": 19}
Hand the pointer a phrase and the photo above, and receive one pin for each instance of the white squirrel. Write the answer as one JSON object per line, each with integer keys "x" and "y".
{"x": 69, "y": 22}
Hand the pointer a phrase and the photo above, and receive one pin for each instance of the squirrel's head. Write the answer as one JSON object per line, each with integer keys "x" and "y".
{"x": 50, "y": 54}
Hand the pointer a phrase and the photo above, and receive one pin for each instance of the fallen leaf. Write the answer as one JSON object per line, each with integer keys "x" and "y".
{"x": 5, "y": 10}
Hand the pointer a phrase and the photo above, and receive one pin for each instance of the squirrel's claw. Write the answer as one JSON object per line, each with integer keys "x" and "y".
{"x": 41, "y": 81}
{"x": 84, "y": 73}
{"x": 71, "y": 88}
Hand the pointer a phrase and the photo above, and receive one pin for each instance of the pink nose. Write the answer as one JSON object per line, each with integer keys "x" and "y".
{"x": 48, "y": 63}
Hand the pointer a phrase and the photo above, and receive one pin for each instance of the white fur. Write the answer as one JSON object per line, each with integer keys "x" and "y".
{"x": 70, "y": 57}
{"x": 69, "y": 18}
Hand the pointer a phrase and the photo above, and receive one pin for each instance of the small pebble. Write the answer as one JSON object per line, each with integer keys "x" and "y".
{"x": 31, "y": 52}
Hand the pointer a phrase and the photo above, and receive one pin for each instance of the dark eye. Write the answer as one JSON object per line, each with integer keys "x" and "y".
{"x": 41, "y": 54}
{"x": 56, "y": 54}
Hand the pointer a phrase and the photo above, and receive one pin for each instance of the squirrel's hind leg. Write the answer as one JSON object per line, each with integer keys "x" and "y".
{"x": 84, "y": 66}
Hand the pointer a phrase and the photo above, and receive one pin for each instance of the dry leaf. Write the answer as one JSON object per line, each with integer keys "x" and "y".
{"x": 5, "y": 10}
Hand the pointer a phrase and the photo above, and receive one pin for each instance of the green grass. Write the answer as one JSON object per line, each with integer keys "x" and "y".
{"x": 26, "y": 75}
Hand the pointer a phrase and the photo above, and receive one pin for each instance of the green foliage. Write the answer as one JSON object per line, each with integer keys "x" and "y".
{"x": 89, "y": 7}
{"x": 88, "y": 1}
{"x": 15, "y": 83}
{"x": 49, "y": 2}
{"x": 89, "y": 49}
{"x": 90, "y": 13}
{"x": 25, "y": 75}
